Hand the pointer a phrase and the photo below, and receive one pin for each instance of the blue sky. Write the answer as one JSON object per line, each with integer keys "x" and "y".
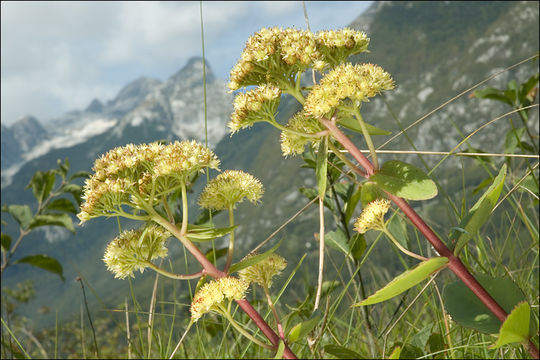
{"x": 58, "y": 56}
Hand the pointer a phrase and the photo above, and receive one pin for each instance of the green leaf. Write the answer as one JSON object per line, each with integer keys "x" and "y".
{"x": 73, "y": 189}
{"x": 350, "y": 204}
{"x": 529, "y": 184}
{"x": 328, "y": 287}
{"x": 42, "y": 184}
{"x": 525, "y": 89}
{"x": 467, "y": 310}
{"x": 63, "y": 220}
{"x": 311, "y": 194}
{"x": 21, "y": 213}
{"x": 200, "y": 233}
{"x": 299, "y": 331}
{"x": 6, "y": 242}
{"x": 61, "y": 204}
{"x": 342, "y": 352}
{"x": 420, "y": 339}
{"x": 406, "y": 280}
{"x": 280, "y": 350}
{"x": 512, "y": 140}
{"x": 492, "y": 94}
{"x": 352, "y": 124}
{"x": 322, "y": 167}
{"x": 219, "y": 253}
{"x": 516, "y": 326}
{"x": 44, "y": 262}
{"x": 405, "y": 180}
{"x": 358, "y": 246}
{"x": 63, "y": 168}
{"x": 435, "y": 343}
{"x": 370, "y": 192}
{"x": 242, "y": 264}
{"x": 480, "y": 212}
{"x": 395, "y": 353}
{"x": 79, "y": 174}
{"x": 337, "y": 240}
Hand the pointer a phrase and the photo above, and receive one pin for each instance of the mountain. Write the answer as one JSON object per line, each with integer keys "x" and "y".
{"x": 434, "y": 51}
{"x": 145, "y": 105}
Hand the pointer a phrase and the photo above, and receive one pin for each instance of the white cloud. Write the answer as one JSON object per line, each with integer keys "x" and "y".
{"x": 57, "y": 56}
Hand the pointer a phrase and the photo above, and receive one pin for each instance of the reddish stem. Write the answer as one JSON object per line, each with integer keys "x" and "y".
{"x": 455, "y": 263}
{"x": 267, "y": 330}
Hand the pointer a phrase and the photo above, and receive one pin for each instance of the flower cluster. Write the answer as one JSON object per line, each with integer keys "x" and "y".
{"x": 228, "y": 188}
{"x": 337, "y": 46}
{"x": 263, "y": 272}
{"x": 356, "y": 83}
{"x": 212, "y": 294}
{"x": 293, "y": 143}
{"x": 272, "y": 55}
{"x": 143, "y": 171}
{"x": 372, "y": 216}
{"x": 132, "y": 249}
{"x": 258, "y": 104}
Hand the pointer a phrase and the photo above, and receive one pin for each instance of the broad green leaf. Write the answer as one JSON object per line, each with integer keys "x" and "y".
{"x": 328, "y": 287}
{"x": 467, "y": 310}
{"x": 395, "y": 353}
{"x": 526, "y": 88}
{"x": 529, "y": 184}
{"x": 338, "y": 240}
{"x": 405, "y": 180}
{"x": 42, "y": 184}
{"x": 21, "y": 213}
{"x": 493, "y": 94}
{"x": 280, "y": 350}
{"x": 513, "y": 139}
{"x": 311, "y": 194}
{"x": 61, "y": 204}
{"x": 242, "y": 264}
{"x": 435, "y": 343}
{"x": 480, "y": 212}
{"x": 299, "y": 331}
{"x": 342, "y": 352}
{"x": 516, "y": 326}
{"x": 73, "y": 189}
{"x": 370, "y": 192}
{"x": 6, "y": 242}
{"x": 63, "y": 220}
{"x": 44, "y": 262}
{"x": 219, "y": 253}
{"x": 352, "y": 124}
{"x": 420, "y": 339}
{"x": 406, "y": 280}
{"x": 199, "y": 233}
{"x": 350, "y": 204}
{"x": 63, "y": 168}
{"x": 322, "y": 167}
{"x": 358, "y": 246}
{"x": 79, "y": 174}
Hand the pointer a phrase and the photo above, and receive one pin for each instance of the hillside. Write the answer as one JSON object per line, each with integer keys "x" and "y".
{"x": 434, "y": 50}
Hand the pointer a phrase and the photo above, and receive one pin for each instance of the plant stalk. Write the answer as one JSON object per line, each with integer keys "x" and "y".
{"x": 455, "y": 264}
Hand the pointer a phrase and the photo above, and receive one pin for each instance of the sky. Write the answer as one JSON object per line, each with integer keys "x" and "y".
{"x": 58, "y": 56}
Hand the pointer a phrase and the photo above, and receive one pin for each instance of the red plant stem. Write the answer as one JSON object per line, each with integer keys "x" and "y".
{"x": 211, "y": 270}
{"x": 454, "y": 263}
{"x": 267, "y": 330}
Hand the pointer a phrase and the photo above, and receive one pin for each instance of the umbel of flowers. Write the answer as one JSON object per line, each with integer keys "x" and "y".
{"x": 274, "y": 60}
{"x": 140, "y": 176}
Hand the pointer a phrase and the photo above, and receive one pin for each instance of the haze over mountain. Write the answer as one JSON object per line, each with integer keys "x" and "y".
{"x": 434, "y": 50}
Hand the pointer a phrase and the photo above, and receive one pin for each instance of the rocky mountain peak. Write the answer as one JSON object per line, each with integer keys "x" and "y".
{"x": 192, "y": 72}
{"x": 95, "y": 106}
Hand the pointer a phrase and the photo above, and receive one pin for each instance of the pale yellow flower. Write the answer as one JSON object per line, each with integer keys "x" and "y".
{"x": 132, "y": 249}
{"x": 372, "y": 216}
{"x": 214, "y": 293}
{"x": 346, "y": 84}
{"x": 228, "y": 188}
{"x": 293, "y": 143}
{"x": 259, "y": 104}
{"x": 263, "y": 272}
